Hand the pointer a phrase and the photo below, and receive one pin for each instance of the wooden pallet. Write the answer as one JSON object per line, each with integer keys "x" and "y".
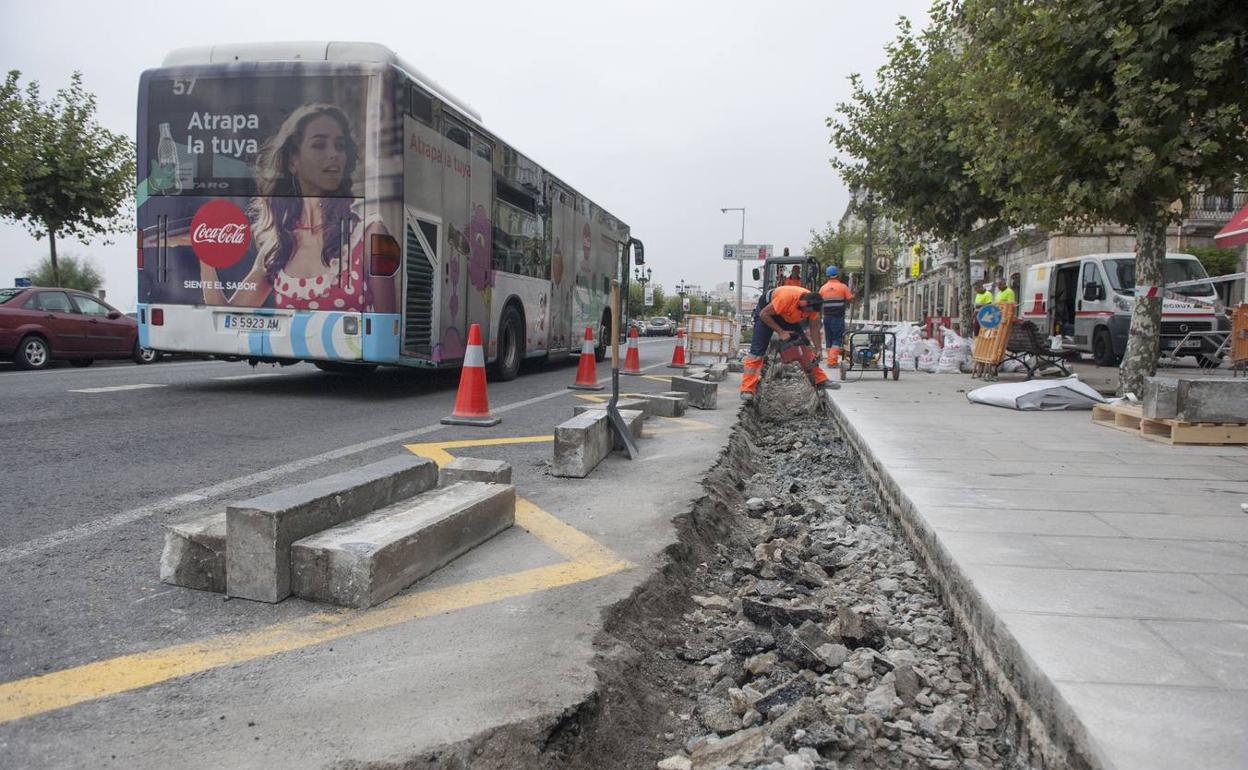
{"x": 1130, "y": 418}
{"x": 1121, "y": 416}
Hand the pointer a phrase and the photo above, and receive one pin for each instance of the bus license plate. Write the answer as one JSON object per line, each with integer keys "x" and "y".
{"x": 252, "y": 323}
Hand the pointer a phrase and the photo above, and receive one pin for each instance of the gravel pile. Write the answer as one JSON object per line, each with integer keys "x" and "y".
{"x": 821, "y": 643}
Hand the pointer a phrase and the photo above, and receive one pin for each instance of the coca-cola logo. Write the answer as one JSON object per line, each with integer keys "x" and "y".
{"x": 220, "y": 233}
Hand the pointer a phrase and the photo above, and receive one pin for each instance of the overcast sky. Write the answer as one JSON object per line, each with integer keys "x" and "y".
{"x": 662, "y": 112}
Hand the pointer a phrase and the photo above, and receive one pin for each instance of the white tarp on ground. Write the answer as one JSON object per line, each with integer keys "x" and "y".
{"x": 1038, "y": 395}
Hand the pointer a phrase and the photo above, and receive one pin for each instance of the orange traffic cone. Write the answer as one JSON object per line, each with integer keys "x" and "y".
{"x": 678, "y": 355}
{"x": 632, "y": 360}
{"x": 472, "y": 405}
{"x": 587, "y": 371}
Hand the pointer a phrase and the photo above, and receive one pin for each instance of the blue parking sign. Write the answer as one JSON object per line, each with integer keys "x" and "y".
{"x": 727, "y": 252}
{"x": 21, "y": 282}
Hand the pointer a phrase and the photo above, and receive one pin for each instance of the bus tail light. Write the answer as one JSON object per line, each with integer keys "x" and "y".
{"x": 158, "y": 316}
{"x": 140, "y": 246}
{"x": 384, "y": 254}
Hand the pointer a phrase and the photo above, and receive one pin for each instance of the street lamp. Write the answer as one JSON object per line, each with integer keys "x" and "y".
{"x": 864, "y": 203}
{"x": 643, "y": 278}
{"x": 740, "y": 262}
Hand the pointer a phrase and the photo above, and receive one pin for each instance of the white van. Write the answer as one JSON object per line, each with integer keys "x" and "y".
{"x": 1088, "y": 301}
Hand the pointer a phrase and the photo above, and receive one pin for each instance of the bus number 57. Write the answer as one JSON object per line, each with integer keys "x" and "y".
{"x": 181, "y": 87}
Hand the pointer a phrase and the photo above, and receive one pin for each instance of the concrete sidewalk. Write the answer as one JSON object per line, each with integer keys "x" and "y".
{"x": 1102, "y": 577}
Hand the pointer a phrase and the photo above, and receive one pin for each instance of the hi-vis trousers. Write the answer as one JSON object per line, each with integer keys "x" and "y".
{"x": 753, "y": 365}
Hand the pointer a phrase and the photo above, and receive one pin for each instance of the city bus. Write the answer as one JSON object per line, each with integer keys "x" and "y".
{"x": 327, "y": 202}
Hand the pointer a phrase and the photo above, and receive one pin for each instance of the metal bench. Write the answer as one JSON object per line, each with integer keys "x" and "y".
{"x": 1030, "y": 349}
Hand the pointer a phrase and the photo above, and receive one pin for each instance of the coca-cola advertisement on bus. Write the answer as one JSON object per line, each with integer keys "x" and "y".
{"x": 251, "y": 194}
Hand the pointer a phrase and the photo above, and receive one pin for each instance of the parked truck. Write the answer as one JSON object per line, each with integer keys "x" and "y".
{"x": 1088, "y": 301}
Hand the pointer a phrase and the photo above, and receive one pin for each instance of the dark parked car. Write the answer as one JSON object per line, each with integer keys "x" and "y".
{"x": 38, "y": 325}
{"x": 660, "y": 326}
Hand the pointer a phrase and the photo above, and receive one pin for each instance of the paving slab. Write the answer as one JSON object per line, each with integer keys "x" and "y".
{"x": 1102, "y": 576}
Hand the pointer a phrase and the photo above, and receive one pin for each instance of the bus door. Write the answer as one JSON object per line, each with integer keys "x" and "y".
{"x": 479, "y": 272}
{"x": 562, "y": 268}
{"x": 457, "y": 249}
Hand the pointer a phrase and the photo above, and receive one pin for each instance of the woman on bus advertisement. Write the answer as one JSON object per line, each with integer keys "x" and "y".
{"x": 303, "y": 185}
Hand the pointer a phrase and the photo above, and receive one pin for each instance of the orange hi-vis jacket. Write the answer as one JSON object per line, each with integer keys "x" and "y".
{"x": 836, "y": 296}
{"x": 784, "y": 301}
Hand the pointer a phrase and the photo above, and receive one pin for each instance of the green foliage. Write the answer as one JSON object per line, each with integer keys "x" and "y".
{"x": 62, "y": 173}
{"x": 14, "y": 153}
{"x": 1217, "y": 261}
{"x": 830, "y": 244}
{"x": 1103, "y": 110}
{"x": 1093, "y": 111}
{"x": 897, "y": 138}
{"x": 75, "y": 273}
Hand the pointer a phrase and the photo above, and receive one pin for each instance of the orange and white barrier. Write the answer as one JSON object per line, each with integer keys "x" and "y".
{"x": 632, "y": 359}
{"x": 678, "y": 354}
{"x": 587, "y": 368}
{"x": 472, "y": 405}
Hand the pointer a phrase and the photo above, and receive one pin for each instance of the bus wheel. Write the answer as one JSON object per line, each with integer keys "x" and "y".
{"x": 1103, "y": 348}
{"x": 510, "y": 345}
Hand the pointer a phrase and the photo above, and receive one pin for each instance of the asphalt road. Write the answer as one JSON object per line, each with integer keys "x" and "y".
{"x": 99, "y": 459}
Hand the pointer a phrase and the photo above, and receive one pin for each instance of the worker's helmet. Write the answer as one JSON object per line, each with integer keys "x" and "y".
{"x": 832, "y": 271}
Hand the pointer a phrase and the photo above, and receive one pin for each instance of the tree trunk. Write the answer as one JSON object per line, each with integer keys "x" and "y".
{"x": 1144, "y": 337}
{"x": 56, "y": 270}
{"x": 966, "y": 298}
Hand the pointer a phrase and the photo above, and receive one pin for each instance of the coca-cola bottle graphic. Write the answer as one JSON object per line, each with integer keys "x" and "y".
{"x": 169, "y": 174}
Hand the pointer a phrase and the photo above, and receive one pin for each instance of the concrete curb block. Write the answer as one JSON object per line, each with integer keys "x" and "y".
{"x": 635, "y": 419}
{"x": 585, "y": 440}
{"x": 194, "y": 554}
{"x": 260, "y": 531}
{"x": 665, "y": 406}
{"x": 1058, "y": 738}
{"x": 474, "y": 469}
{"x": 702, "y": 394}
{"x": 367, "y": 560}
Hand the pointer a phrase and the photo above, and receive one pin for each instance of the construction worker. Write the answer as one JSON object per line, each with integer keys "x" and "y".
{"x": 783, "y": 313}
{"x": 1004, "y": 292}
{"x": 836, "y": 297}
{"x": 795, "y": 276}
{"x": 983, "y": 296}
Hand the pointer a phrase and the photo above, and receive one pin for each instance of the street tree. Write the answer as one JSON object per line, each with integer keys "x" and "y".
{"x": 73, "y": 177}
{"x": 1100, "y": 111}
{"x": 897, "y": 140}
{"x": 14, "y": 153}
{"x": 71, "y": 272}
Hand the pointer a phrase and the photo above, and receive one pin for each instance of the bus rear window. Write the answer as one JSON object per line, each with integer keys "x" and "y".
{"x": 256, "y": 135}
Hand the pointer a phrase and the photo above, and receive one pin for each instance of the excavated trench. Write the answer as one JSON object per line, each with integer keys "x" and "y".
{"x": 791, "y": 628}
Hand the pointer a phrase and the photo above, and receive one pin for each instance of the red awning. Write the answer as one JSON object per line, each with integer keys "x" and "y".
{"x": 1236, "y": 231}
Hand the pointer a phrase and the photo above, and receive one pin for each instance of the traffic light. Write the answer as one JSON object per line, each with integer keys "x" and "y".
{"x": 732, "y": 286}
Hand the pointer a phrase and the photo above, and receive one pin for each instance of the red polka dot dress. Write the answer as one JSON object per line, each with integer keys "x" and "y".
{"x": 335, "y": 289}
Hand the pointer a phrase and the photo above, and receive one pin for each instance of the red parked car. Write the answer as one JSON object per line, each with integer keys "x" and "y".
{"x": 38, "y": 325}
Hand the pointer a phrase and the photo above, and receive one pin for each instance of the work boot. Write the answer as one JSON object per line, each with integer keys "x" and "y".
{"x": 747, "y": 396}
{"x": 828, "y": 385}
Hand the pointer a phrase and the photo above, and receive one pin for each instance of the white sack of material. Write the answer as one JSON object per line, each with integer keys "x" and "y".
{"x": 929, "y": 355}
{"x": 1038, "y": 395}
{"x": 955, "y": 354}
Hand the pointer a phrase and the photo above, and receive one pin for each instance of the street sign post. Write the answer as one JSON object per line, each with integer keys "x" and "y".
{"x": 743, "y": 251}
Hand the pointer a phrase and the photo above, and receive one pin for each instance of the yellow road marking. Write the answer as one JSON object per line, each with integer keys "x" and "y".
{"x": 599, "y": 399}
{"x": 657, "y": 378}
{"x": 436, "y": 450}
{"x": 587, "y": 560}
